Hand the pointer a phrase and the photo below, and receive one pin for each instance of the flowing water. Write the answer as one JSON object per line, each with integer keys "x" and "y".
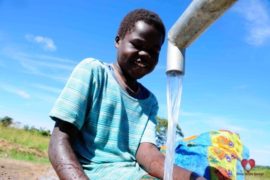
{"x": 174, "y": 93}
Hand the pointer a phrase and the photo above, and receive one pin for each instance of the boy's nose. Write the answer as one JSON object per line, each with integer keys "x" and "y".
{"x": 144, "y": 54}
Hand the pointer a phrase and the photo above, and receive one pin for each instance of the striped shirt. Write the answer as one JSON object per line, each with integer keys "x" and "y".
{"x": 111, "y": 122}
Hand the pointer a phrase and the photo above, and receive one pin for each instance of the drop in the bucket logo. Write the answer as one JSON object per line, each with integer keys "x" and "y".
{"x": 248, "y": 164}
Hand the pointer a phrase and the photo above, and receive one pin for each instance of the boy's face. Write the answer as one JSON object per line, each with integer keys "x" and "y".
{"x": 138, "y": 51}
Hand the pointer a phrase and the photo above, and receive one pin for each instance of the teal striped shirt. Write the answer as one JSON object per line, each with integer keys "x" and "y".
{"x": 111, "y": 122}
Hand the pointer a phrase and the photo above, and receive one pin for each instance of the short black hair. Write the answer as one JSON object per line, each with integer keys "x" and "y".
{"x": 144, "y": 15}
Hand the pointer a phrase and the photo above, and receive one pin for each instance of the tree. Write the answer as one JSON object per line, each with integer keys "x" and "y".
{"x": 161, "y": 129}
{"x": 6, "y": 121}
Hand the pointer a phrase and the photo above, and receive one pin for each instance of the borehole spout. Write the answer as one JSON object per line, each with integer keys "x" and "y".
{"x": 175, "y": 59}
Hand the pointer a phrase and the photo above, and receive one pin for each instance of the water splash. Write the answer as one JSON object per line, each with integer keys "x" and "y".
{"x": 174, "y": 93}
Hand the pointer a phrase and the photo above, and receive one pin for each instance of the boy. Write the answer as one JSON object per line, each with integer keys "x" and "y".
{"x": 105, "y": 119}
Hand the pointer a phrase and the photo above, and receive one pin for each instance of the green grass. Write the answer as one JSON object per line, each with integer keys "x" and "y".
{"x": 23, "y": 145}
{"x": 259, "y": 173}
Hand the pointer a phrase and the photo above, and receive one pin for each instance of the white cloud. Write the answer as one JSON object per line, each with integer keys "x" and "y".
{"x": 51, "y": 67}
{"x": 210, "y": 122}
{"x": 46, "y": 42}
{"x": 225, "y": 123}
{"x": 191, "y": 114}
{"x": 47, "y": 88}
{"x": 214, "y": 121}
{"x": 22, "y": 93}
{"x": 14, "y": 90}
{"x": 260, "y": 154}
{"x": 257, "y": 16}
{"x": 46, "y": 98}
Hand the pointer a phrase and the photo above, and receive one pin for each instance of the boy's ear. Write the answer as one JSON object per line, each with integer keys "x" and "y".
{"x": 117, "y": 39}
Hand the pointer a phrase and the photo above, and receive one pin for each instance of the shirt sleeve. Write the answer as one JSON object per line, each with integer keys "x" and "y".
{"x": 149, "y": 134}
{"x": 71, "y": 105}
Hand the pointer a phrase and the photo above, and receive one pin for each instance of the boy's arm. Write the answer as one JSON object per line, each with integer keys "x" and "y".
{"x": 152, "y": 160}
{"x": 61, "y": 154}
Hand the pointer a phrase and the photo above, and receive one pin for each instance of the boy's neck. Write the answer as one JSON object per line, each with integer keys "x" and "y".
{"x": 130, "y": 85}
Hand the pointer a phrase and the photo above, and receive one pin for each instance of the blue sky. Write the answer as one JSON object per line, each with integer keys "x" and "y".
{"x": 226, "y": 84}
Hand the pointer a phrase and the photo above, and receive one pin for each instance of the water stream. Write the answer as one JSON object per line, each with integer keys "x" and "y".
{"x": 174, "y": 93}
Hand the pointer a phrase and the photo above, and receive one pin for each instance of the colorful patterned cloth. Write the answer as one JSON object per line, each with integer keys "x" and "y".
{"x": 215, "y": 155}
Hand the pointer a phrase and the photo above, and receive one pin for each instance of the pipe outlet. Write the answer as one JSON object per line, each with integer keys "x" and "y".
{"x": 175, "y": 59}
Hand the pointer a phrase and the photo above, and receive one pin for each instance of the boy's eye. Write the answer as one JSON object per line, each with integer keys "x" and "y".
{"x": 136, "y": 44}
{"x": 139, "y": 45}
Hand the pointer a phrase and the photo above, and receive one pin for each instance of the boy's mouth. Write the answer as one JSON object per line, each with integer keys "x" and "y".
{"x": 139, "y": 63}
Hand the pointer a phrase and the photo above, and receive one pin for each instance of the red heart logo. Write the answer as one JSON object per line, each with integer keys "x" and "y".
{"x": 248, "y": 164}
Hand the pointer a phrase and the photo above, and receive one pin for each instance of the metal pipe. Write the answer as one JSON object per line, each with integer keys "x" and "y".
{"x": 196, "y": 18}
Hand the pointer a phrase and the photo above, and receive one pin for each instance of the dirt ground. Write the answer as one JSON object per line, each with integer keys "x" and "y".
{"x": 21, "y": 170}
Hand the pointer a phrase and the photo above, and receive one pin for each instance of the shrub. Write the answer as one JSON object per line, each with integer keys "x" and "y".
{"x": 6, "y": 121}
